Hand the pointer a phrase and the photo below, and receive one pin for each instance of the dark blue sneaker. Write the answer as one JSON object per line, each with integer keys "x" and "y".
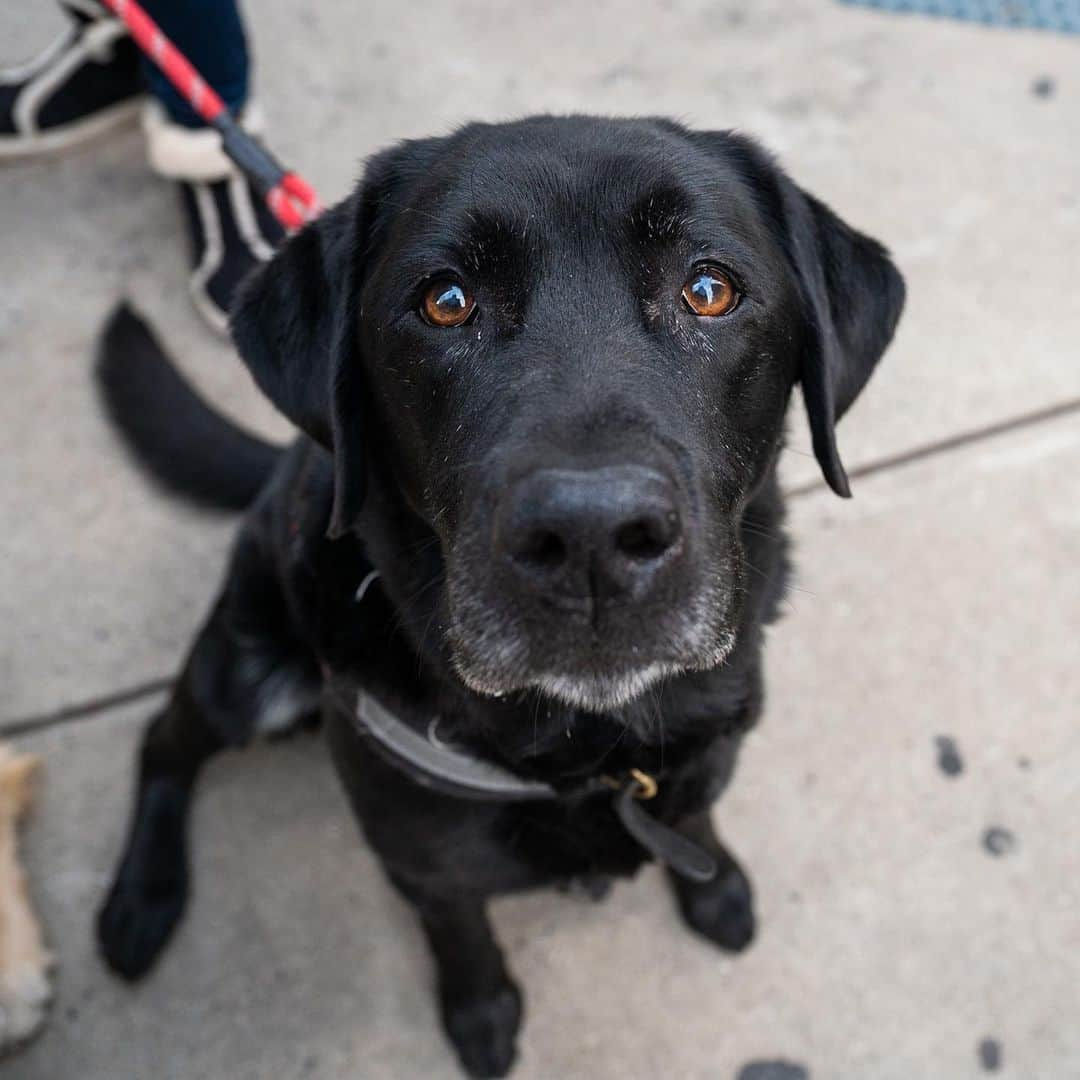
{"x": 84, "y": 84}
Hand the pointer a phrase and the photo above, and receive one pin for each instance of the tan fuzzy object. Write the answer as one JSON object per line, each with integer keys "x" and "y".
{"x": 24, "y": 960}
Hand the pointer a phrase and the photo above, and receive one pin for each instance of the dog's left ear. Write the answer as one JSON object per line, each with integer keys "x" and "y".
{"x": 854, "y": 295}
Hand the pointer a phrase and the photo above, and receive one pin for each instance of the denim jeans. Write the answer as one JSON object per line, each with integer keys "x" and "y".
{"x": 210, "y": 34}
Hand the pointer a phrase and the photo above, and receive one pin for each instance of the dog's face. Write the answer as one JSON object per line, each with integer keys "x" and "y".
{"x": 577, "y": 339}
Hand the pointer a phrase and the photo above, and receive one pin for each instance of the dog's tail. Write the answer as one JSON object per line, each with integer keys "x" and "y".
{"x": 183, "y": 444}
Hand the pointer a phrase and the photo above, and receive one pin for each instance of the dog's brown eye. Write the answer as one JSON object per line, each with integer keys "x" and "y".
{"x": 447, "y": 303}
{"x": 709, "y": 291}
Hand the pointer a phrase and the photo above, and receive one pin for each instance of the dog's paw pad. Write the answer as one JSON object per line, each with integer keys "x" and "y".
{"x": 721, "y": 910}
{"x": 484, "y": 1031}
{"x": 135, "y": 924}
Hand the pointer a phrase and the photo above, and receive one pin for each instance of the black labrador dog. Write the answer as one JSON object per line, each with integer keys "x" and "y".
{"x": 522, "y": 555}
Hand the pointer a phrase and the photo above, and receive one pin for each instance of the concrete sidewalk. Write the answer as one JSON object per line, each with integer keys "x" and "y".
{"x": 944, "y": 601}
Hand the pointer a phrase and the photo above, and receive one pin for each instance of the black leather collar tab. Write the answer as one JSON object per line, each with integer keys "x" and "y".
{"x": 432, "y": 763}
{"x": 686, "y": 858}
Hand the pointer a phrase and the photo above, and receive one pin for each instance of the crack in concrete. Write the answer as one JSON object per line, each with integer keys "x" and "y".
{"x": 81, "y": 710}
{"x": 946, "y": 445}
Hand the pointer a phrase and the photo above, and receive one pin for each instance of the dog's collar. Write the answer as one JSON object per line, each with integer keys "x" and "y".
{"x": 434, "y": 763}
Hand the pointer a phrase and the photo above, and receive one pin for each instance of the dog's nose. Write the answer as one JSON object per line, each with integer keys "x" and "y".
{"x": 599, "y": 533}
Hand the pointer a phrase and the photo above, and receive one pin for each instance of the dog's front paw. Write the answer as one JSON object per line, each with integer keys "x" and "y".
{"x": 138, "y": 918}
{"x": 24, "y": 999}
{"x": 721, "y": 910}
{"x": 484, "y": 1030}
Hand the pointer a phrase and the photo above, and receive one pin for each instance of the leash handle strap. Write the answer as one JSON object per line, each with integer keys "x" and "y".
{"x": 291, "y": 199}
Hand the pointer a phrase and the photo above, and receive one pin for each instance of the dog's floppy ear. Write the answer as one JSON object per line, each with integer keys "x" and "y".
{"x": 294, "y": 326}
{"x": 854, "y": 295}
{"x": 295, "y": 320}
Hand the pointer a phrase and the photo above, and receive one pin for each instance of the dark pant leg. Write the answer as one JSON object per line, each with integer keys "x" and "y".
{"x": 210, "y": 33}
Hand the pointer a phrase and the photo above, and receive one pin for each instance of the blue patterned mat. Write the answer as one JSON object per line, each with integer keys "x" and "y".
{"x": 1060, "y": 15}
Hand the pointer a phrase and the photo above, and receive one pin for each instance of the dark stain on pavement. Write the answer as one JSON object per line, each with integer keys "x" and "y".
{"x": 948, "y": 755}
{"x": 773, "y": 1070}
{"x": 990, "y": 1055}
{"x": 998, "y": 840}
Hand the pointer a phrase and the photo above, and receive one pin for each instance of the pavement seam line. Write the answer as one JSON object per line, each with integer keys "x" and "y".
{"x": 84, "y": 710}
{"x": 946, "y": 445}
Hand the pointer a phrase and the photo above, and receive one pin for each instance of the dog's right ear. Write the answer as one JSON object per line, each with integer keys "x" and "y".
{"x": 295, "y": 324}
{"x": 290, "y": 322}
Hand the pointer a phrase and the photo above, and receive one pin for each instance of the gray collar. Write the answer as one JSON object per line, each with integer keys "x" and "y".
{"x": 434, "y": 763}
{"x": 429, "y": 761}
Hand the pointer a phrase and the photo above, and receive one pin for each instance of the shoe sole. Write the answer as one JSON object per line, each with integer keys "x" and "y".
{"x": 56, "y": 141}
{"x": 211, "y": 314}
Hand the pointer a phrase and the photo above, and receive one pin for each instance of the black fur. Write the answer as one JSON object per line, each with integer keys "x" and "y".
{"x": 184, "y": 444}
{"x": 576, "y": 236}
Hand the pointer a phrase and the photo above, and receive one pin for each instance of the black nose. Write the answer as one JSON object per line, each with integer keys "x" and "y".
{"x": 590, "y": 534}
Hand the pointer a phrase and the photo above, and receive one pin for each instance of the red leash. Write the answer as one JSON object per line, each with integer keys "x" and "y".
{"x": 291, "y": 198}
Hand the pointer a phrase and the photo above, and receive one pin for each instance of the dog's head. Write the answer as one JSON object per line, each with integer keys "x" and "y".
{"x": 576, "y": 339}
